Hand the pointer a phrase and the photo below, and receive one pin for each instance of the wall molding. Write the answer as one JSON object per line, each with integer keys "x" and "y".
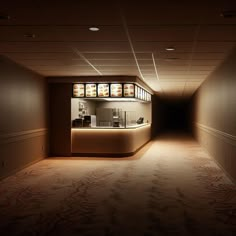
{"x": 22, "y": 135}
{"x": 228, "y": 138}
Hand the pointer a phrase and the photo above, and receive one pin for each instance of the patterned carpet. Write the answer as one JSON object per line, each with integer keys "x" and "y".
{"x": 170, "y": 187}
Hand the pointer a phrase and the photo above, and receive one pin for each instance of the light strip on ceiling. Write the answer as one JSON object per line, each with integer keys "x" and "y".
{"x": 154, "y": 64}
{"x": 85, "y": 59}
{"x": 191, "y": 55}
{"x": 130, "y": 42}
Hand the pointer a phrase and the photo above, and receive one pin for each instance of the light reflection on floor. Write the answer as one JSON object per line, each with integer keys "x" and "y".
{"x": 170, "y": 187}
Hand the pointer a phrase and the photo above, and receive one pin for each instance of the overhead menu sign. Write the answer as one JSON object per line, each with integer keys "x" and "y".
{"x": 112, "y": 90}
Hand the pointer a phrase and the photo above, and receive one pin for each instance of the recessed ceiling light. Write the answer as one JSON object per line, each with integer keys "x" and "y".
{"x": 170, "y": 49}
{"x": 29, "y": 35}
{"x": 93, "y": 28}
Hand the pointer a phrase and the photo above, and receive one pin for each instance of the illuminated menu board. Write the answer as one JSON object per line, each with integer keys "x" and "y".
{"x": 91, "y": 90}
{"x": 142, "y": 94}
{"x": 139, "y": 92}
{"x": 103, "y": 90}
{"x": 136, "y": 91}
{"x": 78, "y": 90}
{"x": 116, "y": 90}
{"x": 128, "y": 90}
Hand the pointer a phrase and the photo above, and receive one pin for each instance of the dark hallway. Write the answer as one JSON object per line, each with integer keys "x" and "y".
{"x": 176, "y": 116}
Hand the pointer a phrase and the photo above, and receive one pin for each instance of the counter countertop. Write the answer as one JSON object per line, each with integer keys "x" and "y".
{"x": 105, "y": 127}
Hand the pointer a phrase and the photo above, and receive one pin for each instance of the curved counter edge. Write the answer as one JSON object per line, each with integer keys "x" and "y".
{"x": 109, "y": 142}
{"x": 106, "y": 127}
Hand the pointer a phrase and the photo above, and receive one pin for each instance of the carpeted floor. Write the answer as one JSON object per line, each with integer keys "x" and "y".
{"x": 170, "y": 187}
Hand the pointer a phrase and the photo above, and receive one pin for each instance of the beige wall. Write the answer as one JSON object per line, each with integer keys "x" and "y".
{"x": 23, "y": 122}
{"x": 60, "y": 119}
{"x": 215, "y": 115}
{"x": 91, "y": 107}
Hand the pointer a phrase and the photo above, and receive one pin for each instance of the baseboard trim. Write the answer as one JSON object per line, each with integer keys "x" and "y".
{"x": 21, "y": 168}
{"x": 126, "y": 154}
{"x": 22, "y": 135}
{"x": 228, "y": 138}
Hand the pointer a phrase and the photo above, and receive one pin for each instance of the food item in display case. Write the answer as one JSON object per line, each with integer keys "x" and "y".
{"x": 78, "y": 90}
{"x": 91, "y": 90}
{"x": 116, "y": 90}
{"x": 128, "y": 90}
{"x": 103, "y": 90}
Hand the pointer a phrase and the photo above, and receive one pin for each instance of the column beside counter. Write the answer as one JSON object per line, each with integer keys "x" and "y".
{"x": 109, "y": 141}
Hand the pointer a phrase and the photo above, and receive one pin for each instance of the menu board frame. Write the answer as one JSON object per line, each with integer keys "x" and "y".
{"x": 138, "y": 92}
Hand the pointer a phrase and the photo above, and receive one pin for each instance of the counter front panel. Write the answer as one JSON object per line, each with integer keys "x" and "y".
{"x": 123, "y": 142}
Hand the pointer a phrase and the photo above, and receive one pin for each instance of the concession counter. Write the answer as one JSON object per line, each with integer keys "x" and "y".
{"x": 109, "y": 119}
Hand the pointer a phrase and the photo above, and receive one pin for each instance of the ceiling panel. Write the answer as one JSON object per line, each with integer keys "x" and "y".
{"x": 214, "y": 46}
{"x": 161, "y": 46}
{"x": 133, "y": 36}
{"x": 64, "y": 13}
{"x": 42, "y": 56}
{"x": 181, "y": 77}
{"x": 217, "y": 33}
{"x": 108, "y": 55}
{"x": 162, "y": 33}
{"x": 36, "y": 47}
{"x": 178, "y": 12}
{"x": 61, "y": 34}
{"x": 62, "y": 67}
{"x": 62, "y": 62}
{"x": 209, "y": 55}
{"x": 114, "y": 62}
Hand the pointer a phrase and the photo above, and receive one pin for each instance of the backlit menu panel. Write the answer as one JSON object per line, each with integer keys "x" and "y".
{"x": 128, "y": 90}
{"x": 112, "y": 90}
{"x": 78, "y": 90}
{"x": 103, "y": 90}
{"x": 91, "y": 90}
{"x": 116, "y": 90}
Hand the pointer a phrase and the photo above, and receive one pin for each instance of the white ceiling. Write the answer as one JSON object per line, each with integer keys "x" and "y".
{"x": 131, "y": 41}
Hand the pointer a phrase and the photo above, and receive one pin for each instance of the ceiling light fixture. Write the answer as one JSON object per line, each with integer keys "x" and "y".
{"x": 170, "y": 49}
{"x": 94, "y": 28}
